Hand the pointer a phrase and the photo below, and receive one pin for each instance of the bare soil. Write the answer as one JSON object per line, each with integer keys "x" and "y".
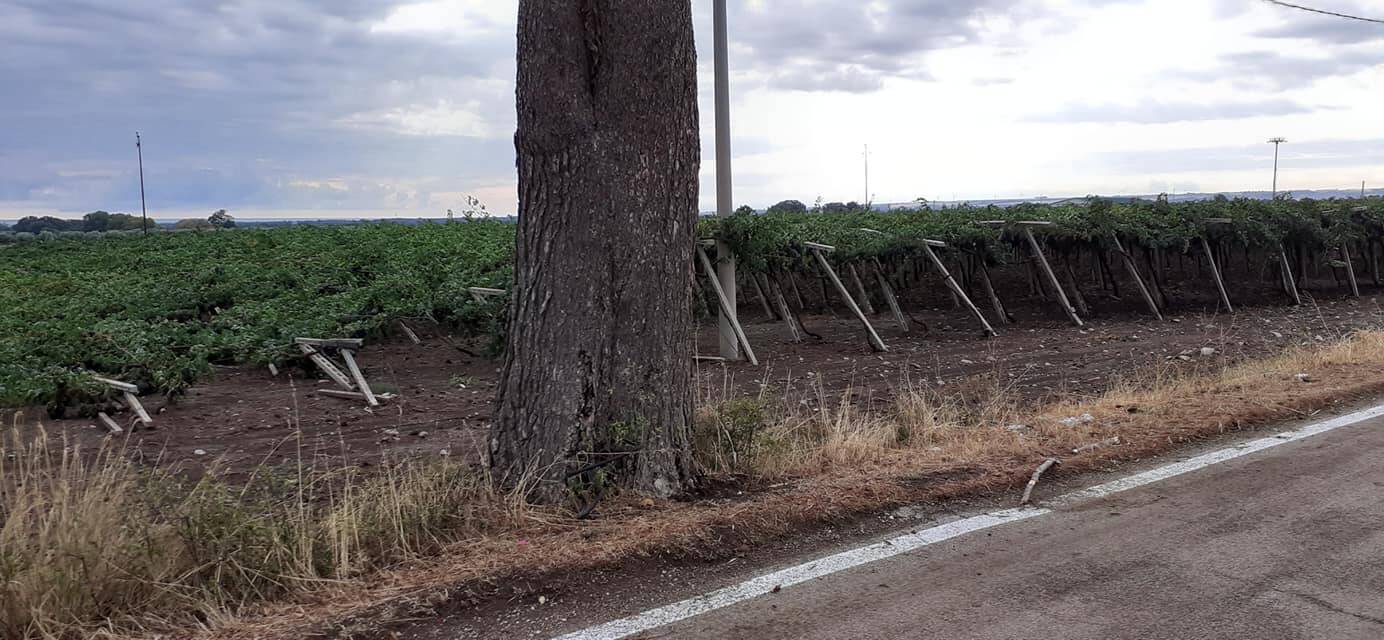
{"x": 245, "y": 417}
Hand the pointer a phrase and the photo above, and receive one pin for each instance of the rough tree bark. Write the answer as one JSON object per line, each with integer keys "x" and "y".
{"x": 599, "y": 357}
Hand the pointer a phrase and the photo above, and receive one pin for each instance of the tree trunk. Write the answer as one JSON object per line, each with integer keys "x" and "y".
{"x": 598, "y": 367}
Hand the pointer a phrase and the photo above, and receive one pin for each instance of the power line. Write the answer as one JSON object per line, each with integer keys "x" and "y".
{"x": 1323, "y": 11}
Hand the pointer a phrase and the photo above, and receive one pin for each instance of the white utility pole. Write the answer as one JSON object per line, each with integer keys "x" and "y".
{"x": 867, "y": 176}
{"x": 725, "y": 262}
{"x": 1275, "y": 142}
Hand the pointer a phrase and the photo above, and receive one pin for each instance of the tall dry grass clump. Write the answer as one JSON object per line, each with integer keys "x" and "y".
{"x": 90, "y": 543}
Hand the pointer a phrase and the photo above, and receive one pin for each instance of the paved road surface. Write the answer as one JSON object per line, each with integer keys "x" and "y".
{"x": 1282, "y": 544}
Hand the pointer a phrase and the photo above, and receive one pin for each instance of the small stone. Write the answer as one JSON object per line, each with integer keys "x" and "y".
{"x": 199, "y": 452}
{"x": 1303, "y": 377}
{"x": 1207, "y": 352}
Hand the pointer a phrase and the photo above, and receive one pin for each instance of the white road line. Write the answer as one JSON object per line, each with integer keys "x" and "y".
{"x": 828, "y": 565}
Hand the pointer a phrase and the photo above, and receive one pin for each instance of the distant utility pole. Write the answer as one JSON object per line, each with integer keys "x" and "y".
{"x": 1362, "y": 188}
{"x": 144, "y": 207}
{"x": 1275, "y": 142}
{"x": 867, "y": 175}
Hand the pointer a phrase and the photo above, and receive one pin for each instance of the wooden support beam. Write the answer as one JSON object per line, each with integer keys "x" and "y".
{"x": 1288, "y": 281}
{"x": 350, "y": 358}
{"x": 889, "y": 298}
{"x": 860, "y": 291}
{"x": 335, "y": 343}
{"x": 709, "y": 358}
{"x": 1133, "y": 270}
{"x": 875, "y": 342}
{"x": 1216, "y": 273}
{"x": 1052, "y": 277}
{"x": 819, "y": 247}
{"x": 111, "y": 425}
{"x": 726, "y": 311}
{"x": 1350, "y": 270}
{"x": 327, "y": 367}
{"x": 132, "y": 401}
{"x": 956, "y": 289}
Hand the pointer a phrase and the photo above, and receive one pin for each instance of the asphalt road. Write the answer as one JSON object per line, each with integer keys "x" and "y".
{"x": 1282, "y": 544}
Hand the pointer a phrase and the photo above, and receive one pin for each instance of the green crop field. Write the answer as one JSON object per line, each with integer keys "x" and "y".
{"x": 159, "y": 311}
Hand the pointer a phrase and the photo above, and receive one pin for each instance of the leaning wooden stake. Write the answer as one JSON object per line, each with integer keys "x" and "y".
{"x": 875, "y": 342}
{"x": 1350, "y": 270}
{"x": 1288, "y": 280}
{"x": 1133, "y": 270}
{"x": 995, "y": 302}
{"x": 408, "y": 331}
{"x": 1052, "y": 277}
{"x": 957, "y": 292}
{"x": 350, "y": 358}
{"x": 860, "y": 291}
{"x": 726, "y": 310}
{"x": 1216, "y": 273}
{"x": 889, "y": 297}
{"x": 789, "y": 318}
{"x": 763, "y": 298}
{"x": 132, "y": 401}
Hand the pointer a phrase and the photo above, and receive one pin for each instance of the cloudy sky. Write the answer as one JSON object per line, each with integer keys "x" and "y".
{"x": 276, "y": 108}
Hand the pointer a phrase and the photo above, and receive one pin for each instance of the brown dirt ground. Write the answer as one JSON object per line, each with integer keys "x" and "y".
{"x": 244, "y": 417}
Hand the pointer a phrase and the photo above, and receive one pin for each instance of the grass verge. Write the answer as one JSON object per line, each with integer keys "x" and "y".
{"x": 92, "y": 545}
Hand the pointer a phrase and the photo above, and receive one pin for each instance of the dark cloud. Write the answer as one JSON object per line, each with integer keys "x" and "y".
{"x": 819, "y": 45}
{"x": 1167, "y": 112}
{"x": 235, "y": 98}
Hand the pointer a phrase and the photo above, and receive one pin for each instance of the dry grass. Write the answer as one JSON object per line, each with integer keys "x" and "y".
{"x": 92, "y": 545}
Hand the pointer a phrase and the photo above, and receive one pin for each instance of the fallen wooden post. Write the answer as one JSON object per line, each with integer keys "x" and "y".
{"x": 1047, "y": 269}
{"x": 110, "y": 425}
{"x": 335, "y": 343}
{"x": 1216, "y": 274}
{"x": 1133, "y": 270}
{"x": 817, "y": 250}
{"x": 1288, "y": 281}
{"x": 351, "y": 395}
{"x": 956, "y": 289}
{"x": 726, "y": 311}
{"x": 327, "y": 367}
{"x": 117, "y": 385}
{"x": 273, "y": 370}
{"x": 132, "y": 401}
{"x": 350, "y": 358}
{"x": 1350, "y": 270}
{"x": 700, "y": 358}
{"x": 483, "y": 294}
{"x": 1033, "y": 481}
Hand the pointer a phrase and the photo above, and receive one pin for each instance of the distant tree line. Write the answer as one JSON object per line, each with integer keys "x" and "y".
{"x": 104, "y": 221}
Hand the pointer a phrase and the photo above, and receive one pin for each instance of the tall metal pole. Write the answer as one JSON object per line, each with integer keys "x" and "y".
{"x": 725, "y": 262}
{"x": 144, "y": 208}
{"x": 1275, "y": 142}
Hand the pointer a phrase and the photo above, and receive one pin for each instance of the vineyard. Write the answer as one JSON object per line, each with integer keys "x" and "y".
{"x": 161, "y": 311}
